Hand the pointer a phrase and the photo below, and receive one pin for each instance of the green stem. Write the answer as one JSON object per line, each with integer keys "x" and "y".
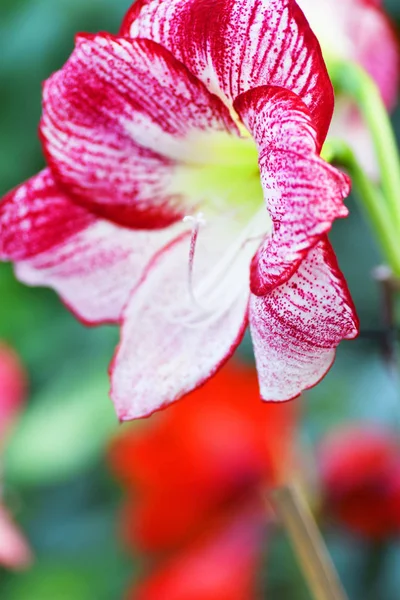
{"x": 373, "y": 203}
{"x": 352, "y": 80}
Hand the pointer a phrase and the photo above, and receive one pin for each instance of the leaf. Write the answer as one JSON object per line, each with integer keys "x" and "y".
{"x": 64, "y": 430}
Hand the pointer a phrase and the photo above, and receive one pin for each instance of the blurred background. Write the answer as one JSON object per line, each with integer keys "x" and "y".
{"x": 56, "y": 480}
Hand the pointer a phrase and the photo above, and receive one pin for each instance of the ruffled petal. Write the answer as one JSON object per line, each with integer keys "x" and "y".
{"x": 90, "y": 262}
{"x": 121, "y": 121}
{"x": 297, "y": 327}
{"x": 303, "y": 193}
{"x": 236, "y": 45}
{"x": 176, "y": 332}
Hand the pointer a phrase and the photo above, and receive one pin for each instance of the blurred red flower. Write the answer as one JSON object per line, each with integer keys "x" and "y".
{"x": 218, "y": 565}
{"x": 14, "y": 551}
{"x": 12, "y": 388}
{"x": 360, "y": 475}
{"x": 195, "y": 477}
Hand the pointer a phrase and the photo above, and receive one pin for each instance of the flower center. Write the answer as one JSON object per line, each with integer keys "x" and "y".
{"x": 228, "y": 220}
{"x": 220, "y": 175}
{"x": 212, "y": 290}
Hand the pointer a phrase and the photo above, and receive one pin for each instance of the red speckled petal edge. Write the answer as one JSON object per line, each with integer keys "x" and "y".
{"x": 91, "y": 263}
{"x": 117, "y": 122}
{"x": 297, "y": 327}
{"x": 303, "y": 193}
{"x": 236, "y": 45}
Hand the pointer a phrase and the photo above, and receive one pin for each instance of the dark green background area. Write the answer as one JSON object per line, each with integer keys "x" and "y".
{"x": 55, "y": 477}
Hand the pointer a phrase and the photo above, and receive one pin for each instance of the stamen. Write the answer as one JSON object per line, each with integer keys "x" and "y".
{"x": 221, "y": 268}
{"x": 197, "y": 221}
{"x": 208, "y": 297}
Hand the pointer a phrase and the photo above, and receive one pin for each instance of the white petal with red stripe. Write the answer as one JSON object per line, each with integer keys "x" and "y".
{"x": 91, "y": 263}
{"x": 180, "y": 327}
{"x": 121, "y": 121}
{"x": 236, "y": 45}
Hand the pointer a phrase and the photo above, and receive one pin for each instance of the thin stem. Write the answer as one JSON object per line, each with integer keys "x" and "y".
{"x": 389, "y": 289}
{"x": 352, "y": 80}
{"x": 372, "y": 202}
{"x": 308, "y": 544}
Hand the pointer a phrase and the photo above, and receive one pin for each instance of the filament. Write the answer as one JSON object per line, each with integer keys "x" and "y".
{"x": 209, "y": 297}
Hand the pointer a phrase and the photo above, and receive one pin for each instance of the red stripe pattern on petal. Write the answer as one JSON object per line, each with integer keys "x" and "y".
{"x": 91, "y": 263}
{"x": 33, "y": 218}
{"x": 115, "y": 121}
{"x": 236, "y": 45}
{"x": 303, "y": 193}
{"x": 297, "y": 327}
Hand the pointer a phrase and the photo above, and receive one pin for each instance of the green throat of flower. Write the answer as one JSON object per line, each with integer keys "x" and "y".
{"x": 221, "y": 176}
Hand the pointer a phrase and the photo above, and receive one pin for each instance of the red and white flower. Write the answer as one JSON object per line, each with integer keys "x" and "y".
{"x": 185, "y": 197}
{"x": 358, "y": 31}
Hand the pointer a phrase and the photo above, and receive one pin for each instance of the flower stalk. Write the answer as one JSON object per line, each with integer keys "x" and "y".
{"x": 349, "y": 78}
{"x": 371, "y": 199}
{"x": 308, "y": 544}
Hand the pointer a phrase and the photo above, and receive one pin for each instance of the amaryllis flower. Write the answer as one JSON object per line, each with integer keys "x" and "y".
{"x": 196, "y": 478}
{"x": 185, "y": 198}
{"x": 357, "y": 31}
{"x": 360, "y": 477}
{"x": 14, "y": 550}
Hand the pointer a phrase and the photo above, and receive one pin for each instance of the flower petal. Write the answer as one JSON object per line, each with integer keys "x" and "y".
{"x": 303, "y": 193}
{"x": 121, "y": 120}
{"x": 13, "y": 389}
{"x": 381, "y": 61}
{"x": 296, "y": 328}
{"x": 90, "y": 262}
{"x": 346, "y": 32}
{"x": 348, "y": 125}
{"x": 236, "y": 45}
{"x": 174, "y": 335}
{"x": 37, "y": 216}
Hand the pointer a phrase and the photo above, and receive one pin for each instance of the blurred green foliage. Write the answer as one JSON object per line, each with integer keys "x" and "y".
{"x": 56, "y": 480}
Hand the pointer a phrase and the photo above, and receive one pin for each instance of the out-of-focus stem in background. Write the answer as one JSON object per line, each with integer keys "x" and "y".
{"x": 308, "y": 544}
